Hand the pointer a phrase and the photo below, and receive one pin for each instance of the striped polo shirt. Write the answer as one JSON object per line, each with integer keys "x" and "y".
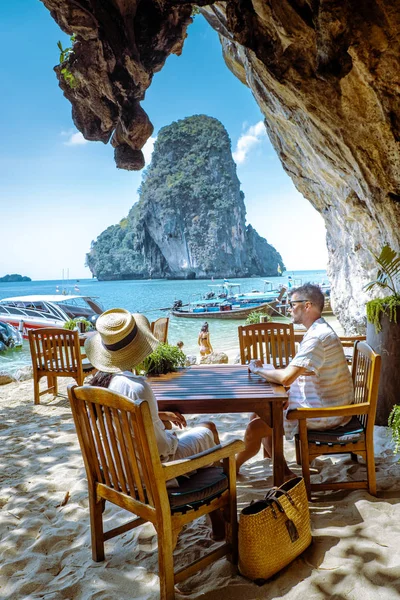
{"x": 329, "y": 383}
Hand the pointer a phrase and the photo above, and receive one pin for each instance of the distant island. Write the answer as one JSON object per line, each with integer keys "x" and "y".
{"x": 14, "y": 278}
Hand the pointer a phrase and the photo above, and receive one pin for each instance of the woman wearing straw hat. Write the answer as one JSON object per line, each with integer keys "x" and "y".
{"x": 123, "y": 340}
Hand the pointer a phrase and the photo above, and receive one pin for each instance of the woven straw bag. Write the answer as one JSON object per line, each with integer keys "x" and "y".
{"x": 274, "y": 531}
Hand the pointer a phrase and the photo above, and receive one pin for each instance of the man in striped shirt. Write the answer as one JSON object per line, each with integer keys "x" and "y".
{"x": 318, "y": 376}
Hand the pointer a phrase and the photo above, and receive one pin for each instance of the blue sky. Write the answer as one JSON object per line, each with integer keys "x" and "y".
{"x": 58, "y": 193}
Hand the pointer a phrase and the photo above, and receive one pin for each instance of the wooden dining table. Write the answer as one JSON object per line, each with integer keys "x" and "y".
{"x": 215, "y": 389}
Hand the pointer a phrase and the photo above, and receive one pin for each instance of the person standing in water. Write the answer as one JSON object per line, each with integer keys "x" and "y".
{"x": 204, "y": 340}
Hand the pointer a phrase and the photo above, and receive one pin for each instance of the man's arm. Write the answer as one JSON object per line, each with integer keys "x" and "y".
{"x": 284, "y": 377}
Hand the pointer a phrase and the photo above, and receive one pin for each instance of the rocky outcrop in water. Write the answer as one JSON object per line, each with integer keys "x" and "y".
{"x": 190, "y": 221}
{"x": 14, "y": 278}
{"x": 325, "y": 74}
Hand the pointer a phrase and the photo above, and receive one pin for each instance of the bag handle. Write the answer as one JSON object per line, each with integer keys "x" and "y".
{"x": 273, "y": 494}
{"x": 271, "y": 499}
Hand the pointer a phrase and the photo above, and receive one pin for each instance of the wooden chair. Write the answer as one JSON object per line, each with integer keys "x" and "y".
{"x": 272, "y": 343}
{"x": 122, "y": 463}
{"x": 56, "y": 353}
{"x": 356, "y": 437}
{"x": 159, "y": 329}
{"x": 348, "y": 342}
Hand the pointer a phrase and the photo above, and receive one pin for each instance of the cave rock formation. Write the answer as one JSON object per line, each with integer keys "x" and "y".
{"x": 325, "y": 74}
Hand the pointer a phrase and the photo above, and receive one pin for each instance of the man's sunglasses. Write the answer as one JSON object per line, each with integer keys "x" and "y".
{"x": 291, "y": 302}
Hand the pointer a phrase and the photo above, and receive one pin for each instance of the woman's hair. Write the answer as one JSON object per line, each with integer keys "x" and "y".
{"x": 204, "y": 327}
{"x": 101, "y": 379}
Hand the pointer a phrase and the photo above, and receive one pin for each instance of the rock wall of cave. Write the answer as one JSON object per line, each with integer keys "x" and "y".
{"x": 327, "y": 83}
{"x": 325, "y": 74}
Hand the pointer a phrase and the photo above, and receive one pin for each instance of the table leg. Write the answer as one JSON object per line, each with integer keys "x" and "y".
{"x": 265, "y": 415}
{"x": 277, "y": 443}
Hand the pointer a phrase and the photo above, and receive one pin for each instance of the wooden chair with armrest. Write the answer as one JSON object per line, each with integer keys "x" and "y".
{"x": 123, "y": 466}
{"x": 271, "y": 342}
{"x": 159, "y": 329}
{"x": 56, "y": 352}
{"x": 356, "y": 437}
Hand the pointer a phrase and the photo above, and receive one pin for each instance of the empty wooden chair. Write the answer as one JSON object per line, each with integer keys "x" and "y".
{"x": 56, "y": 352}
{"x": 356, "y": 437}
{"x": 272, "y": 343}
{"x": 122, "y": 463}
{"x": 348, "y": 342}
{"x": 159, "y": 329}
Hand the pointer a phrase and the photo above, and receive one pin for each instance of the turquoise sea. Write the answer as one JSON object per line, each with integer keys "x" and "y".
{"x": 148, "y": 297}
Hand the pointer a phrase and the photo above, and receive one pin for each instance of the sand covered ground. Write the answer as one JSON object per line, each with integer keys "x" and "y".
{"x": 45, "y": 536}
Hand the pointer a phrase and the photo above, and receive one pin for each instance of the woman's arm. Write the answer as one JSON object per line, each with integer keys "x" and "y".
{"x": 209, "y": 342}
{"x": 174, "y": 417}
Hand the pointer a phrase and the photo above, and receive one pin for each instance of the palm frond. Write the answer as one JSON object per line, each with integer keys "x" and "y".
{"x": 371, "y": 284}
{"x": 388, "y": 275}
{"x": 389, "y": 261}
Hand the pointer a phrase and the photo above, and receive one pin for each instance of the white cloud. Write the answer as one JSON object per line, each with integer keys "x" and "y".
{"x": 250, "y": 138}
{"x": 148, "y": 149}
{"x": 74, "y": 139}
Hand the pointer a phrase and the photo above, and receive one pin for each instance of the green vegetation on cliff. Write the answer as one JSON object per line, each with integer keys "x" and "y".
{"x": 190, "y": 219}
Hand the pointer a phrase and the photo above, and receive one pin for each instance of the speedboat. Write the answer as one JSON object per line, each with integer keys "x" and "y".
{"x": 268, "y": 294}
{"x": 33, "y": 312}
{"x": 10, "y": 338}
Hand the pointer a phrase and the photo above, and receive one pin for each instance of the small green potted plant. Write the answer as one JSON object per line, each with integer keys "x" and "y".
{"x": 255, "y": 317}
{"x": 84, "y": 324}
{"x": 388, "y": 277}
{"x": 383, "y": 329}
{"x": 164, "y": 359}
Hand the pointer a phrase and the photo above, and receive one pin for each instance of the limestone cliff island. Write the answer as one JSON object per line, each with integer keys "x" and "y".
{"x": 14, "y": 278}
{"x": 190, "y": 220}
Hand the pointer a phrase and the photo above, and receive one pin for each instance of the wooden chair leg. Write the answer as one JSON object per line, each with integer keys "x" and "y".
{"x": 305, "y": 459}
{"x": 166, "y": 562}
{"x": 232, "y": 526}
{"x": 370, "y": 460}
{"x": 96, "y": 528}
{"x": 52, "y": 383}
{"x": 36, "y": 390}
{"x": 298, "y": 453}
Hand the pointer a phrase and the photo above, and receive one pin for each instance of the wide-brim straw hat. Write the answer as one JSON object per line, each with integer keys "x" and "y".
{"x": 123, "y": 340}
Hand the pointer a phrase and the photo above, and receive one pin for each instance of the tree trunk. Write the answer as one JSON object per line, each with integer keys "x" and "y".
{"x": 387, "y": 344}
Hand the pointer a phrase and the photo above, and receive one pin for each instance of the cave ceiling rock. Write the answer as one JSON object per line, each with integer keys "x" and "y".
{"x": 119, "y": 45}
{"x": 324, "y": 73}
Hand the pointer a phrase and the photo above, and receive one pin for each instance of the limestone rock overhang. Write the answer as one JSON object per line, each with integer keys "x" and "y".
{"x": 324, "y": 73}
{"x": 118, "y": 47}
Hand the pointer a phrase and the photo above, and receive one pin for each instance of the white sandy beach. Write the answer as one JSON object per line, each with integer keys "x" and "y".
{"x": 45, "y": 537}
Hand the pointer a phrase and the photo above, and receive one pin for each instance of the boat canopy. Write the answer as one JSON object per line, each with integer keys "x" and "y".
{"x": 46, "y": 298}
{"x": 57, "y": 307}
